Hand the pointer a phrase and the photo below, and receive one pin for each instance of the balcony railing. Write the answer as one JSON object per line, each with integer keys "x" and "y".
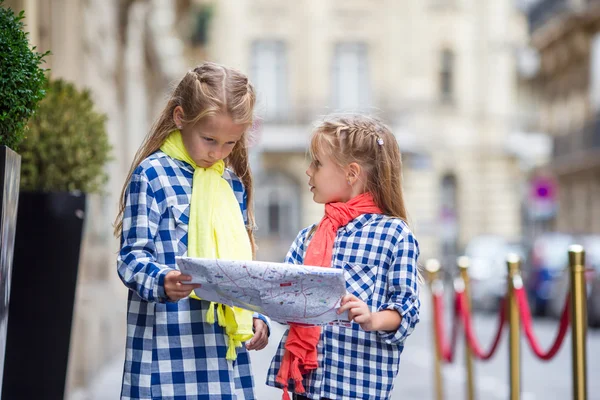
{"x": 307, "y": 114}
{"x": 577, "y": 142}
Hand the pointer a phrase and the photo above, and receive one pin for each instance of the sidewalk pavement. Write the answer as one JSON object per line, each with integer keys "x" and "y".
{"x": 106, "y": 386}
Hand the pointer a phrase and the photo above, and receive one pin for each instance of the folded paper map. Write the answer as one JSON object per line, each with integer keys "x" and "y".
{"x": 284, "y": 292}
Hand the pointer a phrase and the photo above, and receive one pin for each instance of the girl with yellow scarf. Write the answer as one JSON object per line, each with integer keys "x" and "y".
{"x": 187, "y": 194}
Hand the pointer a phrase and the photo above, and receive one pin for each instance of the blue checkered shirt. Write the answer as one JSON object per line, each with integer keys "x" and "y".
{"x": 171, "y": 352}
{"x": 379, "y": 257}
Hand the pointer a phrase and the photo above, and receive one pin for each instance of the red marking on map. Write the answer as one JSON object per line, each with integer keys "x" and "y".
{"x": 285, "y": 284}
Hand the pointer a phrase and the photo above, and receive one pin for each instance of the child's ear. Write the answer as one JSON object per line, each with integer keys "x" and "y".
{"x": 353, "y": 172}
{"x": 178, "y": 116}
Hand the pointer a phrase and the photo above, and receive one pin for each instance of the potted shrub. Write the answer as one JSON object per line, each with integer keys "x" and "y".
{"x": 63, "y": 158}
{"x": 21, "y": 88}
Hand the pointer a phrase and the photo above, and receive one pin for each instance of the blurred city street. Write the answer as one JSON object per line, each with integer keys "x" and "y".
{"x": 494, "y": 104}
{"x": 540, "y": 380}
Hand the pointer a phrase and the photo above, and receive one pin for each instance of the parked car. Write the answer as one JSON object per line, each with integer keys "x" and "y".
{"x": 548, "y": 260}
{"x": 487, "y": 269}
{"x": 591, "y": 245}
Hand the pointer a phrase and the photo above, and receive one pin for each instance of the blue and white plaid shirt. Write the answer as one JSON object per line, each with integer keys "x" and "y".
{"x": 379, "y": 257}
{"x": 171, "y": 352}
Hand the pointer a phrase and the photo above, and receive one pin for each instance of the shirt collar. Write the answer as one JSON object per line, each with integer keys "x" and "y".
{"x": 181, "y": 164}
{"x": 360, "y": 221}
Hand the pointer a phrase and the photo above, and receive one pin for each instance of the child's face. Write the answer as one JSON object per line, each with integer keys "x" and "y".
{"x": 328, "y": 181}
{"x": 211, "y": 139}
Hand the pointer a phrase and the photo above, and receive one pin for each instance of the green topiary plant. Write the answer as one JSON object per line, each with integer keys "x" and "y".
{"x": 21, "y": 78}
{"x": 67, "y": 146}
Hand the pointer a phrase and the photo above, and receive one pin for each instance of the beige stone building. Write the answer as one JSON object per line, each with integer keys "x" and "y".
{"x": 442, "y": 73}
{"x": 566, "y": 35}
{"x": 128, "y": 53}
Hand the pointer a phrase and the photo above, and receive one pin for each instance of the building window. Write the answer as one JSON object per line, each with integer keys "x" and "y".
{"x": 277, "y": 206}
{"x": 448, "y": 218}
{"x": 595, "y": 73}
{"x": 269, "y": 76}
{"x": 351, "y": 89}
{"x": 447, "y": 76}
{"x": 443, "y": 4}
{"x": 416, "y": 161}
{"x": 201, "y": 18}
{"x": 275, "y": 211}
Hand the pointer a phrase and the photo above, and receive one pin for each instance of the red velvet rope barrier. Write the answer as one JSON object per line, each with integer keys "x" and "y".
{"x": 465, "y": 313}
{"x": 527, "y": 325}
{"x": 462, "y": 311}
{"x": 446, "y": 349}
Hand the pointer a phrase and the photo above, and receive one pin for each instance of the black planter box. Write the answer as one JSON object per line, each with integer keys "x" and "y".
{"x": 47, "y": 246}
{"x": 10, "y": 173}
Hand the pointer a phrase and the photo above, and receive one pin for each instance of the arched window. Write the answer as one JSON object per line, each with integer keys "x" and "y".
{"x": 448, "y": 216}
{"x": 350, "y": 79}
{"x": 270, "y": 77}
{"x": 277, "y": 205}
{"x": 595, "y": 73}
{"x": 447, "y": 76}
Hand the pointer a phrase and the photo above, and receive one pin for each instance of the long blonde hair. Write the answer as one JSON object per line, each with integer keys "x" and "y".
{"x": 371, "y": 144}
{"x": 207, "y": 90}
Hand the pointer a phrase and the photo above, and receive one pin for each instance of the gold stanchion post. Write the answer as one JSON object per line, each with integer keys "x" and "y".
{"x": 435, "y": 284}
{"x": 578, "y": 320}
{"x": 513, "y": 263}
{"x": 463, "y": 265}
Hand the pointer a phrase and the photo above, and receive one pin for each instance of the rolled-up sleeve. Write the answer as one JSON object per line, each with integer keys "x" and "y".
{"x": 403, "y": 289}
{"x": 136, "y": 262}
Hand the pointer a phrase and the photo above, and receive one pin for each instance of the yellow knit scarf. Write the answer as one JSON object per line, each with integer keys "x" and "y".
{"x": 216, "y": 230}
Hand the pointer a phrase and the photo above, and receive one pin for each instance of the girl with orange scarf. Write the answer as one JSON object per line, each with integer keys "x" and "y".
{"x": 356, "y": 173}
